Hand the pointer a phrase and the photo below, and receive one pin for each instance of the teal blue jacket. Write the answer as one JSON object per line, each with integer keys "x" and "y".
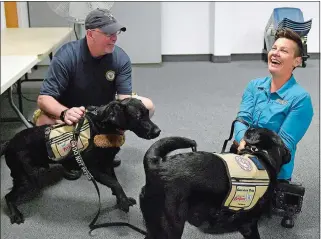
{"x": 288, "y": 112}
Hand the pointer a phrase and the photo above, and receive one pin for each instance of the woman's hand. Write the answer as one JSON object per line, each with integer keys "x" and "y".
{"x": 241, "y": 145}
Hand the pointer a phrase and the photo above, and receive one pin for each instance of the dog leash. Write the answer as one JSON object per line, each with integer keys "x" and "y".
{"x": 82, "y": 165}
{"x": 85, "y": 170}
{"x": 232, "y": 131}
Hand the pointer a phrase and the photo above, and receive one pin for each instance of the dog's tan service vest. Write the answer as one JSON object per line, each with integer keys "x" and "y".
{"x": 58, "y": 139}
{"x": 248, "y": 181}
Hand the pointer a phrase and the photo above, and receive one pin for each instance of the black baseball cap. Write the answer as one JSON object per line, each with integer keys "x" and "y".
{"x": 104, "y": 20}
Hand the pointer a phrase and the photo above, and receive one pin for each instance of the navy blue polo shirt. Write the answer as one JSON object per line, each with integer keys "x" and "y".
{"x": 75, "y": 78}
{"x": 288, "y": 112}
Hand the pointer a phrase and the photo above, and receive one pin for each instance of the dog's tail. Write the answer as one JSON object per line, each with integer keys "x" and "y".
{"x": 3, "y": 147}
{"x": 164, "y": 146}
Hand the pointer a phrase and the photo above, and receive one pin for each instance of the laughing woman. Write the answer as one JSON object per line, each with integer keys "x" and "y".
{"x": 278, "y": 102}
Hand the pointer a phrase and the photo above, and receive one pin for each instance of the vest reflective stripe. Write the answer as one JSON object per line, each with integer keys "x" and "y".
{"x": 58, "y": 140}
{"x": 247, "y": 183}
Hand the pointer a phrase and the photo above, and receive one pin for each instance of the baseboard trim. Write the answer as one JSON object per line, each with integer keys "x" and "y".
{"x": 177, "y": 58}
{"x": 247, "y": 57}
{"x": 222, "y": 59}
{"x": 314, "y": 56}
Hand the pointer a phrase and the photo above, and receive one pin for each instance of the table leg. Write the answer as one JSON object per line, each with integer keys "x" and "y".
{"x": 20, "y": 94}
{"x": 20, "y": 115}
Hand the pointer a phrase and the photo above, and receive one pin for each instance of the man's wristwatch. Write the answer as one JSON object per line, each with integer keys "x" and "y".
{"x": 62, "y": 115}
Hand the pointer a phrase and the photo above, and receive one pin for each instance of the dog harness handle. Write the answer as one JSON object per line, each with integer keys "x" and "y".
{"x": 232, "y": 131}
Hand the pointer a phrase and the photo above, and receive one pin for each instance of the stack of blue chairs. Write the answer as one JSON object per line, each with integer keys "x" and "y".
{"x": 287, "y": 17}
{"x": 292, "y": 18}
{"x": 301, "y": 28}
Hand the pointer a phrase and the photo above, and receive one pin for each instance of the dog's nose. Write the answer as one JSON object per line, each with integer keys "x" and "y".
{"x": 156, "y": 131}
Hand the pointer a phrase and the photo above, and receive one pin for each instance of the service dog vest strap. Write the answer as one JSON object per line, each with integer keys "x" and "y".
{"x": 248, "y": 181}
{"x": 58, "y": 139}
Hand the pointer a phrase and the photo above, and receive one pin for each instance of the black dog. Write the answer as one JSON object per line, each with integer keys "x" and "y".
{"x": 193, "y": 186}
{"x": 26, "y": 153}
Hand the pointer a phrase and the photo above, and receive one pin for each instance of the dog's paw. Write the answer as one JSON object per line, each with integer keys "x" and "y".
{"x": 132, "y": 201}
{"x": 195, "y": 220}
{"x": 17, "y": 218}
{"x": 125, "y": 203}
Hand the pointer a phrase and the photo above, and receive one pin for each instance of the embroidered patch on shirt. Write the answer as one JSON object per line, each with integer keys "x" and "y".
{"x": 282, "y": 102}
{"x": 110, "y": 75}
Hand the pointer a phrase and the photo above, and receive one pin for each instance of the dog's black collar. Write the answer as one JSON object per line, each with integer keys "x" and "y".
{"x": 252, "y": 148}
{"x": 92, "y": 125}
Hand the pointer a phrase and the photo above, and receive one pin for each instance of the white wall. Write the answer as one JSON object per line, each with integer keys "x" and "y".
{"x": 22, "y": 11}
{"x": 185, "y": 28}
{"x": 238, "y": 26}
{"x": 3, "y": 16}
{"x": 253, "y": 17}
{"x": 223, "y": 37}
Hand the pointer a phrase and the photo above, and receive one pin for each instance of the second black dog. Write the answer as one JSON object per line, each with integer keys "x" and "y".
{"x": 193, "y": 186}
{"x": 26, "y": 153}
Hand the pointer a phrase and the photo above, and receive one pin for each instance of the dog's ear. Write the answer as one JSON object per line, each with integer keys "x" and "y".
{"x": 116, "y": 115}
{"x": 280, "y": 155}
{"x": 252, "y": 136}
{"x": 286, "y": 156}
{"x": 111, "y": 115}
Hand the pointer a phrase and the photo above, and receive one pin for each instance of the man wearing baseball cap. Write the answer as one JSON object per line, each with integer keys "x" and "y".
{"x": 103, "y": 20}
{"x": 103, "y": 29}
{"x": 89, "y": 71}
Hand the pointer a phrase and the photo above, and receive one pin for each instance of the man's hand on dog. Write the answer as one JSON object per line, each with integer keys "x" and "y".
{"x": 74, "y": 114}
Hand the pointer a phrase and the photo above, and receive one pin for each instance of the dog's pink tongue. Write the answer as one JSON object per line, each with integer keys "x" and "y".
{"x": 121, "y": 132}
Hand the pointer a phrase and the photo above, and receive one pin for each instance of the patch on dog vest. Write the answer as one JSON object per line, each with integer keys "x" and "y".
{"x": 248, "y": 181}
{"x": 58, "y": 140}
